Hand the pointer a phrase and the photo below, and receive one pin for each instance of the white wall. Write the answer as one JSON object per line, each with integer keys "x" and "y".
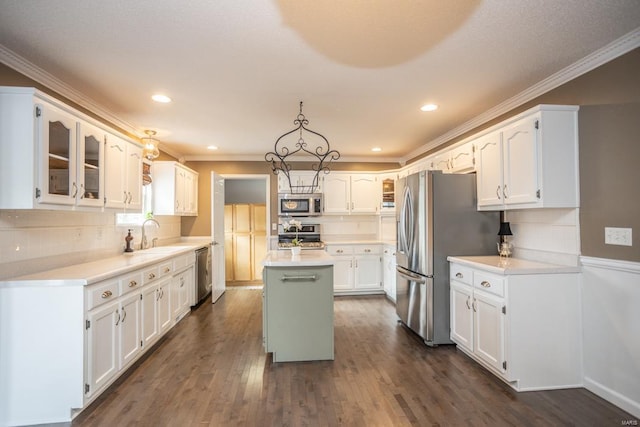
{"x": 35, "y": 240}
{"x": 546, "y": 235}
{"x": 611, "y": 325}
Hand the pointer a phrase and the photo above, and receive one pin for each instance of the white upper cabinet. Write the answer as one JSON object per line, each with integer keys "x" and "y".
{"x": 51, "y": 156}
{"x": 301, "y": 182}
{"x": 461, "y": 159}
{"x": 55, "y": 157}
{"x": 56, "y": 132}
{"x": 346, "y": 193}
{"x": 123, "y": 165}
{"x": 530, "y": 161}
{"x": 175, "y": 189}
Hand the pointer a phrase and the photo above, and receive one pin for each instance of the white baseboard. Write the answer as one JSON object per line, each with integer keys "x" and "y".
{"x": 612, "y": 396}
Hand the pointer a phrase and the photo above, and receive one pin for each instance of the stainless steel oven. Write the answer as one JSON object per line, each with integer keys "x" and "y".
{"x": 299, "y": 205}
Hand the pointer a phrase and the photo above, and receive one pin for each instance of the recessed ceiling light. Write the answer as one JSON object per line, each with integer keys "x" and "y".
{"x": 212, "y": 147}
{"x": 161, "y": 98}
{"x": 376, "y": 149}
{"x": 429, "y": 107}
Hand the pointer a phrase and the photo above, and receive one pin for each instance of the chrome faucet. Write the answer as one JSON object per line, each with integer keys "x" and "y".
{"x": 144, "y": 244}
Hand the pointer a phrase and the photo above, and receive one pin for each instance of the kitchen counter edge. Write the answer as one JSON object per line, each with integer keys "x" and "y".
{"x": 281, "y": 258}
{"x": 505, "y": 266}
{"x": 92, "y": 272}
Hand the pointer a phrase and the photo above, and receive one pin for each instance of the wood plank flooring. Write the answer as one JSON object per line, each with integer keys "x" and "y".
{"x": 211, "y": 370}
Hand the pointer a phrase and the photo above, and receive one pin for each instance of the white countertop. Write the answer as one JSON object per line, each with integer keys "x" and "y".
{"x": 498, "y": 265}
{"x": 96, "y": 271}
{"x": 283, "y": 258}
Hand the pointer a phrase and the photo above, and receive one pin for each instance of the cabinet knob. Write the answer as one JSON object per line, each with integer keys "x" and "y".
{"x": 107, "y": 294}
{"x": 485, "y": 284}
{"x": 151, "y": 276}
{"x": 132, "y": 283}
{"x": 459, "y": 275}
{"x": 167, "y": 269}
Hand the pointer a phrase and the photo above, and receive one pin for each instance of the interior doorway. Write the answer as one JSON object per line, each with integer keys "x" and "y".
{"x": 247, "y": 234}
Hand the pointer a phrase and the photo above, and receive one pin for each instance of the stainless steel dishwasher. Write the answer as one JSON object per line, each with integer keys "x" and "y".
{"x": 203, "y": 273}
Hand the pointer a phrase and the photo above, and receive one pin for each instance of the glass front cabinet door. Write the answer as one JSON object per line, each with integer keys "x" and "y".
{"x": 57, "y": 141}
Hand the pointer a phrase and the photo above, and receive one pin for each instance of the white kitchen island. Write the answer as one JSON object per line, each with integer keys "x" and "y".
{"x": 298, "y": 306}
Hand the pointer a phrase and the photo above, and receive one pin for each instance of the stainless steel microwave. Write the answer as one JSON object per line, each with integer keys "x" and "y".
{"x": 299, "y": 204}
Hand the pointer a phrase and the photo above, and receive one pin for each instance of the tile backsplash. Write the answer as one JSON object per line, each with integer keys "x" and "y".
{"x": 546, "y": 235}
{"x": 35, "y": 240}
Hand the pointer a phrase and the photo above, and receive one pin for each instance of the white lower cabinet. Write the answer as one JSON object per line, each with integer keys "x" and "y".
{"x": 357, "y": 268}
{"x": 389, "y": 271}
{"x": 523, "y": 325}
{"x": 130, "y": 313}
{"x": 127, "y": 315}
{"x": 180, "y": 285}
{"x": 102, "y": 347}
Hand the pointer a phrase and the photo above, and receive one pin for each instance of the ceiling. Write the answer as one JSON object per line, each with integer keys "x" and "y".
{"x": 238, "y": 69}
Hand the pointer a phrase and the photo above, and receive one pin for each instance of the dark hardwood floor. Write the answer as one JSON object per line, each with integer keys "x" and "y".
{"x": 211, "y": 370}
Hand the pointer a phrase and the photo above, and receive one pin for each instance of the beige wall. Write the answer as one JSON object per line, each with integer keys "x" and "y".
{"x": 609, "y": 129}
{"x": 201, "y": 225}
{"x": 10, "y": 77}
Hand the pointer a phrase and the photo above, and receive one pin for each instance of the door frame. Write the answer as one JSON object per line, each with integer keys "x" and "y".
{"x": 267, "y": 180}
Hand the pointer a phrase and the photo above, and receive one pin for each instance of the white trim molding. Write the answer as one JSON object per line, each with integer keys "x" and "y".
{"x": 611, "y": 264}
{"x": 21, "y": 65}
{"x": 611, "y": 328}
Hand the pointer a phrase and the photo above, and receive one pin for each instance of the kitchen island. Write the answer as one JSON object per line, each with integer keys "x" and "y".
{"x": 298, "y": 306}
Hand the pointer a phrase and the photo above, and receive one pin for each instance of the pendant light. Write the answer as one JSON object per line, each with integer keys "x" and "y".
{"x": 150, "y": 150}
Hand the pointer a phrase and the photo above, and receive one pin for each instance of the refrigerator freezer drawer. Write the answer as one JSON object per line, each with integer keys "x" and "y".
{"x": 414, "y": 302}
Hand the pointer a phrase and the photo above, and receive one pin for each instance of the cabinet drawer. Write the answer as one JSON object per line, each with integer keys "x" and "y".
{"x": 166, "y": 268}
{"x": 367, "y": 249}
{"x": 101, "y": 293}
{"x": 488, "y": 282}
{"x": 460, "y": 273}
{"x": 130, "y": 282}
{"x": 150, "y": 274}
{"x": 182, "y": 261}
{"x": 340, "y": 250}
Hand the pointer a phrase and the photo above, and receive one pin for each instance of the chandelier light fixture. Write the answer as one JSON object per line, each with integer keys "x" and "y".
{"x": 150, "y": 150}
{"x": 284, "y": 150}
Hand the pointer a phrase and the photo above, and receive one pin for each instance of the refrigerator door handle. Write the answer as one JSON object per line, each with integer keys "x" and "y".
{"x": 413, "y": 277}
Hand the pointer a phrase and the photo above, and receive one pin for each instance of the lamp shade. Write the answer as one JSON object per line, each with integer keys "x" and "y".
{"x": 505, "y": 229}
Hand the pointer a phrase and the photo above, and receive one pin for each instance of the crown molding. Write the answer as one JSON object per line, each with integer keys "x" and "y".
{"x": 30, "y": 70}
{"x": 260, "y": 158}
{"x": 617, "y": 48}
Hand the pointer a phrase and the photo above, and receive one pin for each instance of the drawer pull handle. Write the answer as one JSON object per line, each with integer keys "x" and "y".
{"x": 468, "y": 305}
{"x": 152, "y": 276}
{"x": 485, "y": 284}
{"x": 167, "y": 269}
{"x": 311, "y": 277}
{"x": 132, "y": 283}
{"x": 339, "y": 251}
{"x": 459, "y": 275}
{"x": 367, "y": 250}
{"x": 107, "y": 294}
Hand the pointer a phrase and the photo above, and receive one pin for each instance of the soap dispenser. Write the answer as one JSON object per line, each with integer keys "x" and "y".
{"x": 128, "y": 239}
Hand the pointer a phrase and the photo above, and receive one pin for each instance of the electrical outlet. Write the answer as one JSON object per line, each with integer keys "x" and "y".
{"x": 617, "y": 236}
{"x": 274, "y": 226}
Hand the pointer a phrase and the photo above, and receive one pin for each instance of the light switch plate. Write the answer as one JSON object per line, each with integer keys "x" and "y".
{"x": 617, "y": 236}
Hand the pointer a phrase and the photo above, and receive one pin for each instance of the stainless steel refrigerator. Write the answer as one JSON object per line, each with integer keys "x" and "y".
{"x": 436, "y": 217}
